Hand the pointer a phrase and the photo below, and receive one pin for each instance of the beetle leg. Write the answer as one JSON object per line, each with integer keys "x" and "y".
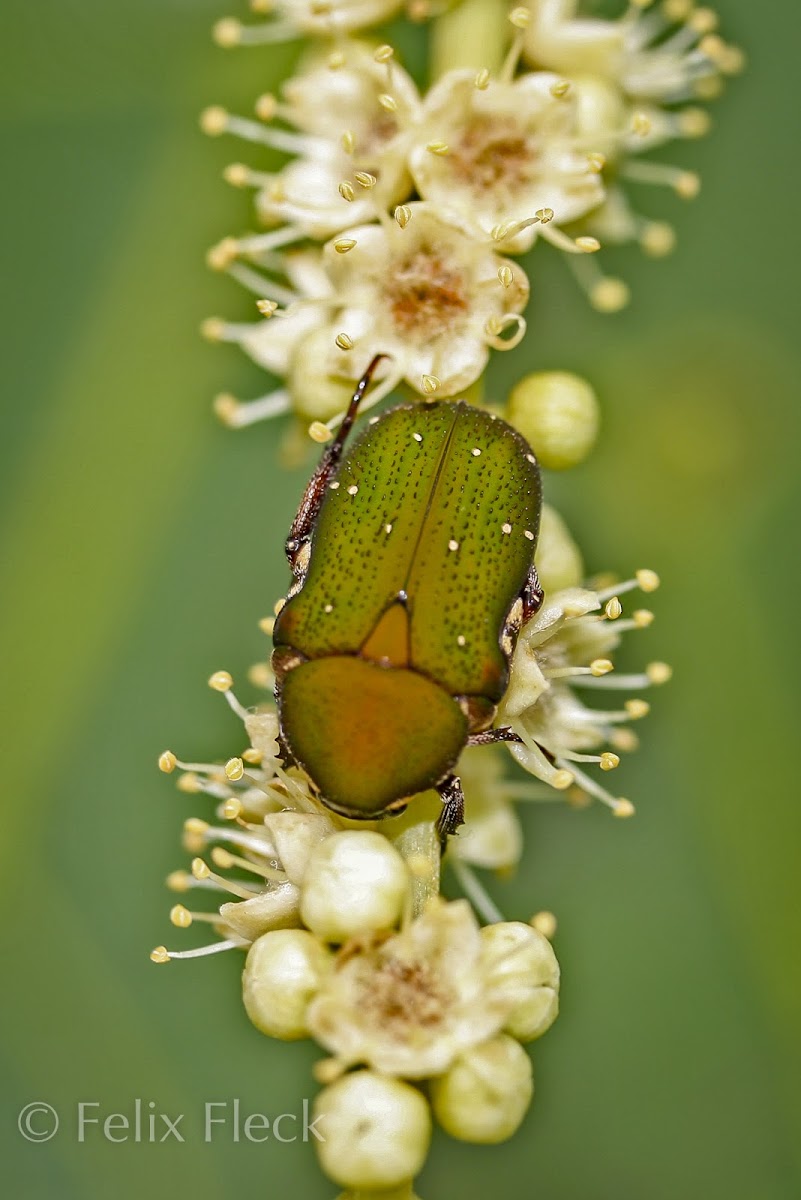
{"x": 452, "y": 815}
{"x": 306, "y": 515}
{"x": 488, "y": 737}
{"x": 532, "y": 594}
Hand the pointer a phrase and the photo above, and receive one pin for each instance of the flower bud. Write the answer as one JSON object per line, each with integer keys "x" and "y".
{"x": 484, "y": 1096}
{"x": 355, "y": 881}
{"x": 558, "y": 558}
{"x": 317, "y": 394}
{"x": 283, "y": 971}
{"x": 522, "y": 960}
{"x": 375, "y": 1131}
{"x": 558, "y": 415}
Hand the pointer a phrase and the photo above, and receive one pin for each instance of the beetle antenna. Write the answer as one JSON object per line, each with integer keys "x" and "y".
{"x": 356, "y": 399}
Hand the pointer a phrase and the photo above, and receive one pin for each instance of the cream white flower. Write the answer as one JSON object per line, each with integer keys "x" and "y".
{"x": 429, "y": 294}
{"x": 524, "y": 958}
{"x": 409, "y": 1004}
{"x": 374, "y": 1132}
{"x": 283, "y": 971}
{"x": 355, "y": 882}
{"x": 297, "y": 18}
{"x": 349, "y": 148}
{"x": 630, "y": 75}
{"x": 500, "y": 152}
{"x": 560, "y": 654}
{"x": 486, "y": 1093}
{"x": 633, "y": 51}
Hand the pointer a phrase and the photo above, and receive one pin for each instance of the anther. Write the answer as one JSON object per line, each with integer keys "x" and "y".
{"x": 623, "y": 808}
{"x": 159, "y": 955}
{"x": 506, "y": 276}
{"x": 167, "y": 762}
{"x": 383, "y": 54}
{"x": 212, "y": 329}
{"x": 613, "y": 608}
{"x": 658, "y": 672}
{"x": 180, "y": 916}
{"x": 221, "y": 681}
{"x": 648, "y": 581}
{"x": 348, "y": 141}
{"x": 440, "y": 148}
{"x": 234, "y": 769}
{"x": 237, "y": 174}
{"x": 214, "y": 120}
{"x": 266, "y": 107}
{"x": 429, "y": 384}
{"x": 227, "y": 32}
{"x": 231, "y": 809}
{"x": 687, "y": 185}
{"x": 365, "y": 179}
{"x": 642, "y": 618}
{"x": 318, "y": 432}
{"x": 641, "y": 124}
{"x": 544, "y": 923}
{"x": 344, "y": 341}
{"x": 544, "y": 214}
{"x": 596, "y": 162}
{"x": 267, "y": 308}
{"x": 588, "y": 245}
{"x": 520, "y": 17}
{"x": 346, "y": 191}
{"x": 179, "y": 881}
{"x": 601, "y": 666}
{"x": 343, "y": 245}
{"x": 200, "y": 869}
{"x": 637, "y": 709}
{"x": 403, "y": 215}
{"x": 609, "y": 761}
{"x": 560, "y": 89}
{"x": 482, "y": 79}
{"x": 561, "y": 780}
{"x": 388, "y": 103}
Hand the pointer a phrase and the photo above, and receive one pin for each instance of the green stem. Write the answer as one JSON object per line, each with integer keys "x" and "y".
{"x": 415, "y": 837}
{"x": 473, "y": 34}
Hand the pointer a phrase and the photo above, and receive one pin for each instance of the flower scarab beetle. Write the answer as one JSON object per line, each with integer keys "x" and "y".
{"x": 412, "y": 553}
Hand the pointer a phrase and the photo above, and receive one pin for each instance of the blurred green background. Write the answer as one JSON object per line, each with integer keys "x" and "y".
{"x": 141, "y": 542}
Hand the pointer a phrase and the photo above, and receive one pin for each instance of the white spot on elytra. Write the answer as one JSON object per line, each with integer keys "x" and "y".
{"x": 328, "y": 608}
{"x": 373, "y": 420}
{"x": 453, "y": 544}
{"x": 460, "y": 641}
{"x": 333, "y": 486}
{"x": 352, "y": 490}
{"x": 387, "y": 529}
{"x": 476, "y": 452}
{"x": 531, "y": 458}
{"x": 418, "y": 437}
{"x": 529, "y": 535}
{"x": 506, "y": 528}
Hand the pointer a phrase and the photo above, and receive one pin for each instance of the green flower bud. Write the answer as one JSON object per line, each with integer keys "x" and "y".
{"x": 484, "y": 1096}
{"x": 558, "y": 558}
{"x": 282, "y": 973}
{"x": 558, "y": 415}
{"x": 376, "y": 1131}
{"x": 520, "y": 958}
{"x": 355, "y": 881}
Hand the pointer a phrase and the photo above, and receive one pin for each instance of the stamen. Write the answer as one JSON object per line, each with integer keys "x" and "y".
{"x": 201, "y": 870}
{"x": 594, "y": 789}
{"x": 229, "y": 33}
{"x": 237, "y": 414}
{"x": 475, "y": 891}
{"x": 161, "y": 954}
{"x": 216, "y": 121}
{"x": 684, "y": 183}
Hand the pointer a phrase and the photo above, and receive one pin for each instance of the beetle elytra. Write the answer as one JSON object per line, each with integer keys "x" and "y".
{"x": 412, "y": 554}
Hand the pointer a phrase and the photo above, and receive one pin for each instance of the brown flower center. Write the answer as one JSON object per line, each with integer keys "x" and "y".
{"x": 425, "y": 296}
{"x": 493, "y": 155}
{"x": 403, "y": 996}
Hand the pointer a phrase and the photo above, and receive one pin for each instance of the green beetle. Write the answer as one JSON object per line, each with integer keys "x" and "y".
{"x": 412, "y": 557}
